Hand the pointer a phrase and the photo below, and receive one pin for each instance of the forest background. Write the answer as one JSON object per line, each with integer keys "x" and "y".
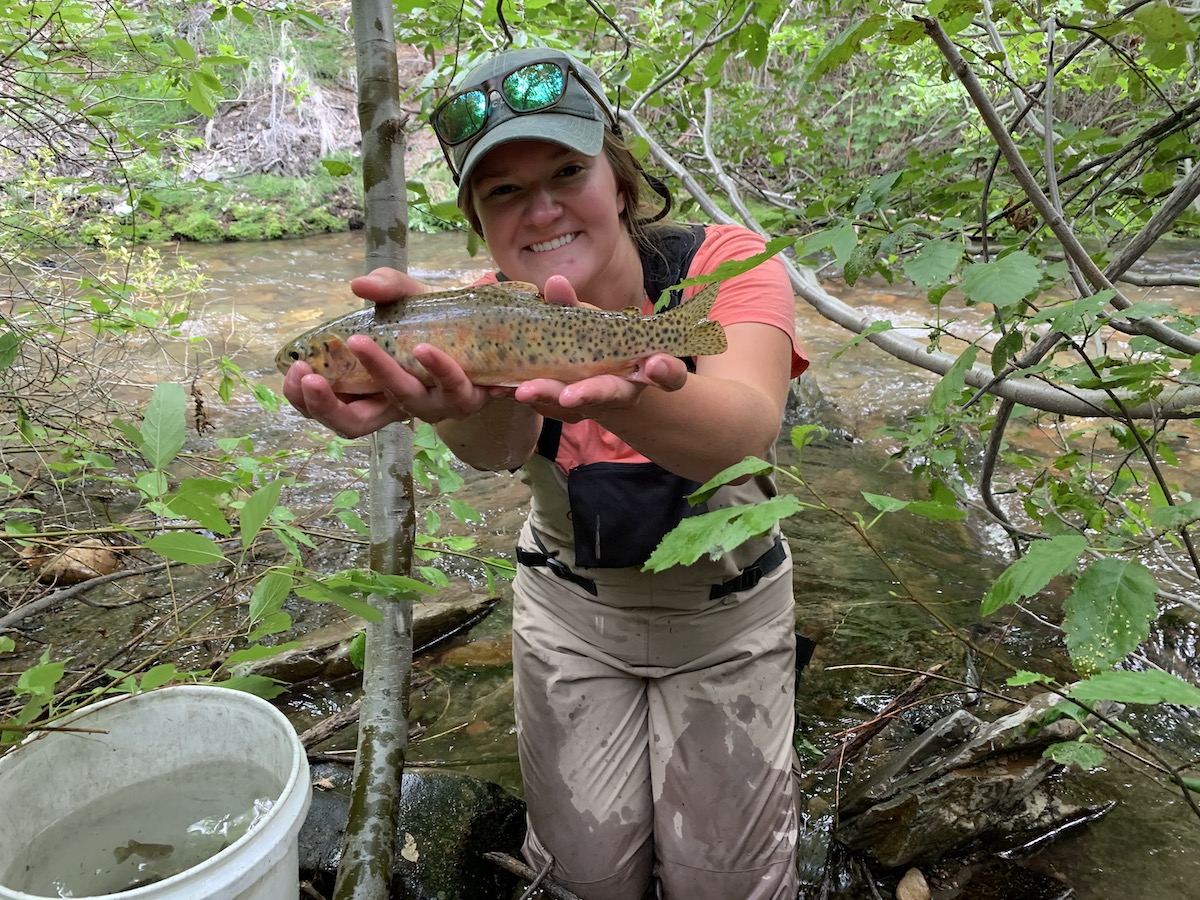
{"x": 1019, "y": 157}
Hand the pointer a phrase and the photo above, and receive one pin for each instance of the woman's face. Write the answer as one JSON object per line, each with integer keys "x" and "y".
{"x": 547, "y": 210}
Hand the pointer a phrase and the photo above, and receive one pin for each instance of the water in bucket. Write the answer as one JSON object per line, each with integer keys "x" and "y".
{"x": 148, "y": 832}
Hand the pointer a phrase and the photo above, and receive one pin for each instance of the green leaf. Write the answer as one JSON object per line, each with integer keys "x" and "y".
{"x": 1151, "y": 686}
{"x": 257, "y": 508}
{"x": 845, "y": 45}
{"x": 861, "y": 261}
{"x": 184, "y": 547}
{"x": 269, "y": 593}
{"x": 951, "y": 385}
{"x": 158, "y": 676}
{"x": 1080, "y": 754}
{"x": 258, "y": 685}
{"x": 717, "y": 532}
{"x": 1001, "y": 282}
{"x": 1109, "y": 613}
{"x": 754, "y": 39}
{"x": 10, "y": 347}
{"x": 732, "y": 267}
{"x": 750, "y": 466}
{"x": 40, "y": 680}
{"x": 353, "y": 521}
{"x": 319, "y": 593}
{"x": 337, "y": 168}
{"x": 933, "y": 510}
{"x": 1023, "y": 678}
{"x": 934, "y": 263}
{"x": 7, "y": 644}
{"x": 274, "y": 623}
{"x": 1045, "y": 561}
{"x": 257, "y": 652}
{"x": 346, "y": 499}
{"x": 165, "y": 425}
{"x": 357, "y": 650}
{"x": 200, "y": 507}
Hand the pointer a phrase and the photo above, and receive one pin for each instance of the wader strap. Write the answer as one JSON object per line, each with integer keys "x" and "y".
{"x": 547, "y": 559}
{"x": 753, "y": 573}
{"x": 749, "y": 577}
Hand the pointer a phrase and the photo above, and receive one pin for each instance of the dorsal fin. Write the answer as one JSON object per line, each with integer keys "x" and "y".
{"x": 523, "y": 287}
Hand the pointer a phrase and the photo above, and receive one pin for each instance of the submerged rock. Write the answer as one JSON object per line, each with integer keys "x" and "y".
{"x": 961, "y": 783}
{"x": 448, "y": 821}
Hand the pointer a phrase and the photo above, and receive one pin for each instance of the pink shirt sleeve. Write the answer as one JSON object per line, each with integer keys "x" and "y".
{"x": 763, "y": 295}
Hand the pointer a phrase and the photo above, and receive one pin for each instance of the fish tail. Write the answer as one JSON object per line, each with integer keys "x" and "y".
{"x": 700, "y": 335}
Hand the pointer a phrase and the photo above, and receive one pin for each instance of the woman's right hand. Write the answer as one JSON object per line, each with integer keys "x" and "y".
{"x": 401, "y": 395}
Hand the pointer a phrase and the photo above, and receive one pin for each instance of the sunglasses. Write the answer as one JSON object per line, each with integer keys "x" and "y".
{"x": 530, "y": 88}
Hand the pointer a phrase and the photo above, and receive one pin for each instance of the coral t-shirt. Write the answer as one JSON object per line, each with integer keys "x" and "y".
{"x": 762, "y": 295}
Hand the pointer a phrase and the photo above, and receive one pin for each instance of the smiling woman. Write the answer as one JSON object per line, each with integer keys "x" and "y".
{"x": 654, "y": 711}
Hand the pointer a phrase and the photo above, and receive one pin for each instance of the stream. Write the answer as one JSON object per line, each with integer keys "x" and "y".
{"x": 258, "y": 295}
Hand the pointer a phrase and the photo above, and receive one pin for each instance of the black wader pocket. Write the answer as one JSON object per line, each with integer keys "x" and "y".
{"x": 620, "y": 511}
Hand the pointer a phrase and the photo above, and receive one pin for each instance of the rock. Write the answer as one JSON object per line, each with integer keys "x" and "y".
{"x": 448, "y": 822}
{"x": 913, "y": 886}
{"x": 1001, "y": 879}
{"x": 961, "y": 782}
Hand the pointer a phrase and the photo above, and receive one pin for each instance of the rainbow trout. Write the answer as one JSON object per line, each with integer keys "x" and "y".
{"x": 504, "y": 334}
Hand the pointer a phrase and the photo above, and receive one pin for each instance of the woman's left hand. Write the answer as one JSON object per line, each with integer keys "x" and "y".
{"x": 571, "y": 402}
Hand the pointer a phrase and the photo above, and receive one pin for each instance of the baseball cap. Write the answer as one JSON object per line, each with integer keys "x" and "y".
{"x": 577, "y": 121}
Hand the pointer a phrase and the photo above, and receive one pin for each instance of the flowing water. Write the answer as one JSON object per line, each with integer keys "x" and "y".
{"x": 257, "y": 296}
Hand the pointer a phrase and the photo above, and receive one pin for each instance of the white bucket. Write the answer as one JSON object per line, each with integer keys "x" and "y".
{"x": 178, "y": 733}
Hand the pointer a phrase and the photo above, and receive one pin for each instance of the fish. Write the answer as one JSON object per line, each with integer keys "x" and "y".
{"x": 145, "y": 851}
{"x": 504, "y": 334}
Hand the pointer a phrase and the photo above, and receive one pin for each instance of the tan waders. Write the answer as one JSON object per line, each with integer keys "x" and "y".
{"x": 655, "y": 732}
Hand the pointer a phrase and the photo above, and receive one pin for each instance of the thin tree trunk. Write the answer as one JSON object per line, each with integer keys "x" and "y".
{"x": 369, "y": 847}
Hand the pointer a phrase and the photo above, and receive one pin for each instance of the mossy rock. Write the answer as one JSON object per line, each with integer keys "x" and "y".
{"x": 448, "y": 822}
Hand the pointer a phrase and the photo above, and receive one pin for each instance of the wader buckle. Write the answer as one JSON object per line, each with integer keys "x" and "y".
{"x": 548, "y": 560}
{"x": 753, "y": 573}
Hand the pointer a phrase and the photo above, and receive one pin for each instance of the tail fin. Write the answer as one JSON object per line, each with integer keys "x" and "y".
{"x": 701, "y": 336}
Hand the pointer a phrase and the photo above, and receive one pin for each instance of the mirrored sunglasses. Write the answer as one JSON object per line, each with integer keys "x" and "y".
{"x": 529, "y": 88}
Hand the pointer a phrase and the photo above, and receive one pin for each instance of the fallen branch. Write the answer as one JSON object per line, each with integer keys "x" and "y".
{"x": 327, "y": 728}
{"x": 48, "y": 600}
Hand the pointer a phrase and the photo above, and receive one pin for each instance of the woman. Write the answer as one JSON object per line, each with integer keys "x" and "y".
{"x": 654, "y": 711}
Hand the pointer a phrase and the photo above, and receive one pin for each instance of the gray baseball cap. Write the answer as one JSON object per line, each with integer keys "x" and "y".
{"x": 577, "y": 121}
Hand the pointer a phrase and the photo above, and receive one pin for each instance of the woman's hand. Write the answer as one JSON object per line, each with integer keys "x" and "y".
{"x": 401, "y": 395}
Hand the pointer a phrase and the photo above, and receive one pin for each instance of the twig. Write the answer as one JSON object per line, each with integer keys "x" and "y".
{"x": 860, "y": 737}
{"x": 518, "y": 868}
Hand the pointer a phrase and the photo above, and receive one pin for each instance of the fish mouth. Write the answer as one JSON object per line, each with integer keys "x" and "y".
{"x": 554, "y": 243}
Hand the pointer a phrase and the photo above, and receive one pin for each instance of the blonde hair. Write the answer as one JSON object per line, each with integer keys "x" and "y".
{"x": 640, "y": 204}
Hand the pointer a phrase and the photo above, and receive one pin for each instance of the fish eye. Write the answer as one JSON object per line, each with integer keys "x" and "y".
{"x": 295, "y": 355}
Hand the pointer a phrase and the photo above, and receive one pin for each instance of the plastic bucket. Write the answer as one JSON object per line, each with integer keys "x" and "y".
{"x": 193, "y": 739}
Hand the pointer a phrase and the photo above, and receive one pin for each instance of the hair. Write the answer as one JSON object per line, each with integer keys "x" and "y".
{"x": 640, "y": 205}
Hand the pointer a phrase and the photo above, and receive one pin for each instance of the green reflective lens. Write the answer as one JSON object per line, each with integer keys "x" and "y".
{"x": 534, "y": 87}
{"x": 529, "y": 88}
{"x": 462, "y": 117}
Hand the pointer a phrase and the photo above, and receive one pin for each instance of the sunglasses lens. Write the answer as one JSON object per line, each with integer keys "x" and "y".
{"x": 534, "y": 87}
{"x": 462, "y": 117}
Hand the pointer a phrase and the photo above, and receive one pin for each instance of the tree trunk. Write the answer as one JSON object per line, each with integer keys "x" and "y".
{"x": 369, "y": 848}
